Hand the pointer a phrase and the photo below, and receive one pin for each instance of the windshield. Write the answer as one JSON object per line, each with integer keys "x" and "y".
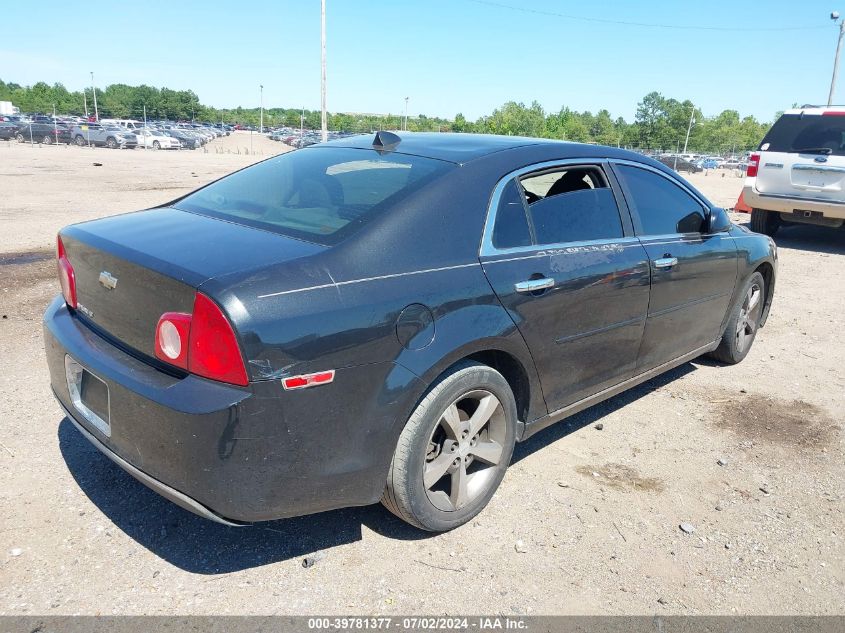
{"x": 818, "y": 134}
{"x": 320, "y": 195}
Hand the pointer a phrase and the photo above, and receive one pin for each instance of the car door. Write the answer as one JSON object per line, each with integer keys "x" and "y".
{"x": 565, "y": 264}
{"x": 692, "y": 273}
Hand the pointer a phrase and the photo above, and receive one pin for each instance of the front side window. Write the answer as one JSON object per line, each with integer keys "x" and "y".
{"x": 320, "y": 195}
{"x": 571, "y": 205}
{"x": 662, "y": 207}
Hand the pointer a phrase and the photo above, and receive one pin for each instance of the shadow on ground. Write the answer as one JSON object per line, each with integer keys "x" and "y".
{"x": 200, "y": 546}
{"x": 804, "y": 237}
{"x": 812, "y": 238}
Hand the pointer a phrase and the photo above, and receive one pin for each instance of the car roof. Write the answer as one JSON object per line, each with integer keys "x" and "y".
{"x": 817, "y": 110}
{"x": 452, "y": 147}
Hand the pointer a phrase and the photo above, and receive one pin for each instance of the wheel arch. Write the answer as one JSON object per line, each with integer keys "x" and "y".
{"x": 505, "y": 356}
{"x": 768, "y": 271}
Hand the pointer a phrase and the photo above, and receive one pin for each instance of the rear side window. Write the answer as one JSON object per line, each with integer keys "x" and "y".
{"x": 571, "y": 205}
{"x": 810, "y": 133}
{"x": 320, "y": 195}
{"x": 511, "y": 228}
{"x": 661, "y": 206}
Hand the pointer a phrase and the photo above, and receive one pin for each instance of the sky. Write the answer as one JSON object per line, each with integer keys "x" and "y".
{"x": 446, "y": 56}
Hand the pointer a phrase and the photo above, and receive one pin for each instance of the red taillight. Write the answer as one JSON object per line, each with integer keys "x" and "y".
{"x": 308, "y": 380}
{"x": 202, "y": 343}
{"x": 67, "y": 278}
{"x": 753, "y": 165}
{"x": 213, "y": 350}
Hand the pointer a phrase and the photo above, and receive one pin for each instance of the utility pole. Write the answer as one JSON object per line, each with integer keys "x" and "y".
{"x": 323, "y": 122}
{"x": 261, "y": 124}
{"x": 689, "y": 128}
{"x": 302, "y": 126}
{"x": 94, "y": 90}
{"x": 85, "y": 101}
{"x": 406, "y": 113}
{"x": 835, "y": 16}
{"x": 55, "y": 127}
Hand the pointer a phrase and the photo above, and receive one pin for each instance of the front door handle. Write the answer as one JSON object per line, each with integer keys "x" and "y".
{"x": 533, "y": 285}
{"x": 665, "y": 262}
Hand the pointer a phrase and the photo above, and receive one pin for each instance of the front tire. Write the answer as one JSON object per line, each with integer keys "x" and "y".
{"x": 743, "y": 323}
{"x": 111, "y": 143}
{"x": 79, "y": 140}
{"x": 19, "y": 138}
{"x": 156, "y": 145}
{"x": 765, "y": 222}
{"x": 454, "y": 450}
{"x": 47, "y": 139}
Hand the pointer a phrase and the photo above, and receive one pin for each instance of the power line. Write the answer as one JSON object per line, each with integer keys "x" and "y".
{"x": 684, "y": 27}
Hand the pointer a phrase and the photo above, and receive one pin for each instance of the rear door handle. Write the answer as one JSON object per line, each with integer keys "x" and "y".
{"x": 533, "y": 285}
{"x": 665, "y": 262}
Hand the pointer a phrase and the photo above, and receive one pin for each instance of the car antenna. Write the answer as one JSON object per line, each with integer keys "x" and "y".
{"x": 386, "y": 141}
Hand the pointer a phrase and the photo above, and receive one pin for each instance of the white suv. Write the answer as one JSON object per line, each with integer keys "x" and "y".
{"x": 798, "y": 174}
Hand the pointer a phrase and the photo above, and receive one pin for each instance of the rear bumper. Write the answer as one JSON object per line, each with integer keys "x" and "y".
{"x": 231, "y": 454}
{"x": 171, "y": 494}
{"x": 787, "y": 204}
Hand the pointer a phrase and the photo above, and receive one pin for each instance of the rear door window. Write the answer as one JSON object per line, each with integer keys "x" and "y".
{"x": 810, "y": 133}
{"x": 661, "y": 206}
{"x": 571, "y": 205}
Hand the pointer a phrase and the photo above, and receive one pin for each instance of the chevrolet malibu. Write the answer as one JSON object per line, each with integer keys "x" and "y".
{"x": 382, "y": 318}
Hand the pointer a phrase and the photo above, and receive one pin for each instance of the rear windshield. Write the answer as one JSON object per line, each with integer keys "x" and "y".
{"x": 811, "y": 133}
{"x": 320, "y": 195}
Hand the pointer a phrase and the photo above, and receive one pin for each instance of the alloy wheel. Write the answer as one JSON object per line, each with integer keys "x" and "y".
{"x": 464, "y": 450}
{"x": 749, "y": 317}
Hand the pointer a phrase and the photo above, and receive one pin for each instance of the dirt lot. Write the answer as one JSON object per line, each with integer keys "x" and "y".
{"x": 597, "y": 511}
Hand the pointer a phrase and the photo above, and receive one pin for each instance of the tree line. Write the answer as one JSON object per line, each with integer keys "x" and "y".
{"x": 660, "y": 122}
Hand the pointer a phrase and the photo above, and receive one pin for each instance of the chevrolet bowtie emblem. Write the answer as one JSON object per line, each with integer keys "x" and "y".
{"x": 108, "y": 280}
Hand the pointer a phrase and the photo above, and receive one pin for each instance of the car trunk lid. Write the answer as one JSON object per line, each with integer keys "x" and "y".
{"x": 130, "y": 269}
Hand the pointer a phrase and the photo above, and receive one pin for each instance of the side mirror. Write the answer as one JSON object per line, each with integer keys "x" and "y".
{"x": 718, "y": 220}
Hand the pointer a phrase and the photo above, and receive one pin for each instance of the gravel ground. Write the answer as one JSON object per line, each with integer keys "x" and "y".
{"x": 587, "y": 521}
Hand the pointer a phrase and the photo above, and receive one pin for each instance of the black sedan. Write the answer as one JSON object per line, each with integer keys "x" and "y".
{"x": 8, "y": 130}
{"x": 46, "y": 133}
{"x": 382, "y": 318}
{"x": 679, "y": 164}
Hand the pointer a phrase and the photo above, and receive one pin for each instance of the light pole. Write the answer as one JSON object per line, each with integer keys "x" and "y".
{"x": 689, "y": 128}
{"x": 94, "y": 90}
{"x": 834, "y": 15}
{"x": 261, "y": 124}
{"x": 406, "y": 113}
{"x": 323, "y": 122}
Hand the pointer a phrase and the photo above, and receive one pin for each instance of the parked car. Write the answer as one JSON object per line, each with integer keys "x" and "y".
{"x": 186, "y": 141}
{"x": 384, "y": 317}
{"x": 679, "y": 164}
{"x": 46, "y": 133}
{"x": 103, "y": 135}
{"x": 734, "y": 164}
{"x": 154, "y": 139}
{"x": 798, "y": 172}
{"x": 8, "y": 130}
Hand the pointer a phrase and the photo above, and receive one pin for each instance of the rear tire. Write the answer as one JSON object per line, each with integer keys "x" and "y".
{"x": 47, "y": 139}
{"x": 19, "y": 138}
{"x": 79, "y": 140}
{"x": 743, "y": 323}
{"x": 765, "y": 222}
{"x": 156, "y": 145}
{"x": 454, "y": 450}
